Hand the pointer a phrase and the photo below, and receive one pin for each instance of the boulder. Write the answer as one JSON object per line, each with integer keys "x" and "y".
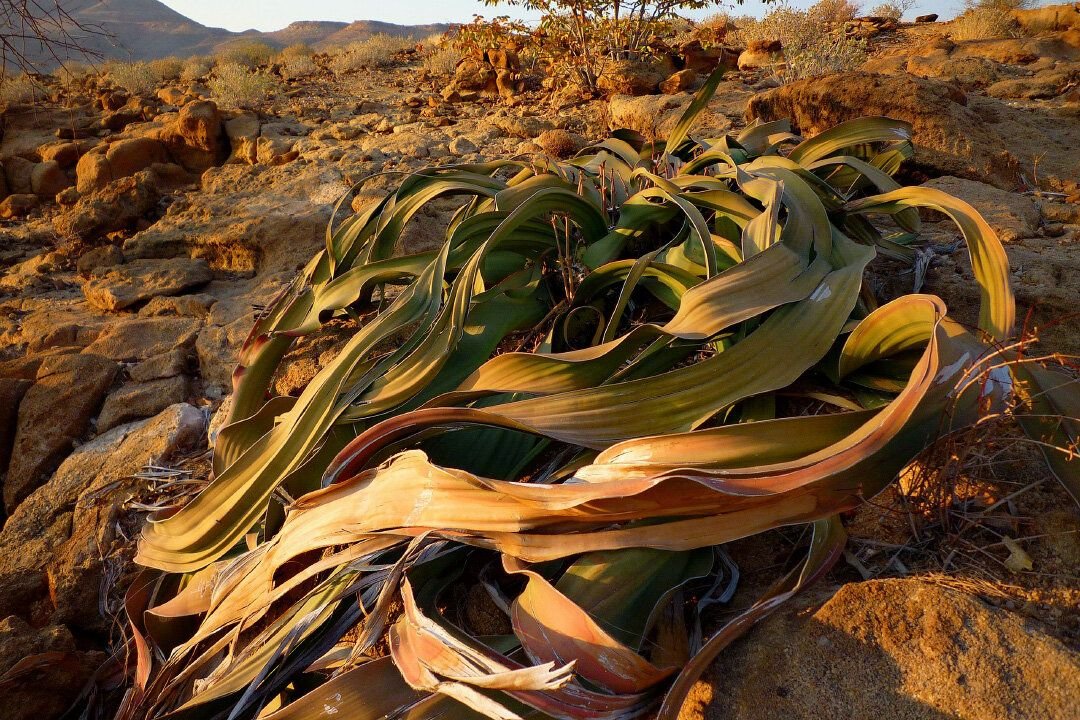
{"x": 682, "y": 81}
{"x": 119, "y": 205}
{"x": 633, "y": 77}
{"x": 704, "y": 60}
{"x": 135, "y": 401}
{"x": 17, "y": 206}
{"x": 92, "y": 172}
{"x": 55, "y": 412}
{"x": 894, "y": 649}
{"x": 198, "y": 140}
{"x": 242, "y": 131}
{"x": 473, "y": 74}
{"x": 67, "y": 154}
{"x": 18, "y": 173}
{"x": 55, "y": 548}
{"x": 125, "y": 285}
{"x": 127, "y": 157}
{"x": 168, "y": 364}
{"x": 929, "y": 18}
{"x": 462, "y": 146}
{"x": 49, "y": 179}
{"x": 761, "y": 54}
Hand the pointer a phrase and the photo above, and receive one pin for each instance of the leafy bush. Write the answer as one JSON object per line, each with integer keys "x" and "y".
{"x": 167, "y": 69}
{"x": 235, "y": 86}
{"x": 376, "y": 51}
{"x": 985, "y": 23}
{"x": 196, "y": 68}
{"x": 136, "y": 77}
{"x": 608, "y": 369}
{"x": 248, "y": 53}
{"x": 893, "y": 9}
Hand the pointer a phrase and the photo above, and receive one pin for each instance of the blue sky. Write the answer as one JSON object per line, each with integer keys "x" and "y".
{"x": 276, "y": 14}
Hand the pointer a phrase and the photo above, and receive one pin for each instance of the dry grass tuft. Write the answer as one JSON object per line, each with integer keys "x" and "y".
{"x": 441, "y": 60}
{"x": 985, "y": 23}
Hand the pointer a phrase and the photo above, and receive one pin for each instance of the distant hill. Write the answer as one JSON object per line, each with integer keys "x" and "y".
{"x": 148, "y": 29}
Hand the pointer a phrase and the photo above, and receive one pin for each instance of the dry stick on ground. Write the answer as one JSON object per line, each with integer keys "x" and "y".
{"x": 29, "y": 25}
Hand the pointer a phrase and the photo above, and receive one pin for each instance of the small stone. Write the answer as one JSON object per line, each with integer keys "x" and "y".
{"x": 462, "y": 146}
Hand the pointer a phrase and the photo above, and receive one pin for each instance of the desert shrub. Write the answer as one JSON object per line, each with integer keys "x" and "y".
{"x": 135, "y": 77}
{"x": 892, "y": 9}
{"x": 167, "y": 69}
{"x": 298, "y": 66}
{"x": 831, "y": 13}
{"x": 813, "y": 39}
{"x": 441, "y": 59}
{"x": 18, "y": 89}
{"x": 985, "y": 23}
{"x": 249, "y": 53}
{"x": 373, "y": 52}
{"x": 236, "y": 86}
{"x": 575, "y": 400}
{"x": 297, "y": 50}
{"x": 196, "y": 68}
{"x": 1003, "y": 5}
{"x": 72, "y": 72}
{"x": 578, "y": 40}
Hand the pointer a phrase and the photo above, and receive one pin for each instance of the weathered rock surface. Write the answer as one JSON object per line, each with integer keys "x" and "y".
{"x": 76, "y": 383}
{"x": 894, "y": 649}
{"x": 954, "y": 134}
{"x": 125, "y": 285}
{"x": 141, "y": 338}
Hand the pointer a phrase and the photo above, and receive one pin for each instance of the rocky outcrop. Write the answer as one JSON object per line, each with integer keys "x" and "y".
{"x": 950, "y": 137}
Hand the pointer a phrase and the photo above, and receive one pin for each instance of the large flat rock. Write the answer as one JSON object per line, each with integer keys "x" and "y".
{"x": 122, "y": 286}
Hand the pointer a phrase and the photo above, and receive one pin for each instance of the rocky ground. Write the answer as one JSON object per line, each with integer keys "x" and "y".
{"x": 139, "y": 236}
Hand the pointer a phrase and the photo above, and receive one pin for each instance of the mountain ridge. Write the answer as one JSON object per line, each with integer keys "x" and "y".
{"x": 149, "y": 29}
